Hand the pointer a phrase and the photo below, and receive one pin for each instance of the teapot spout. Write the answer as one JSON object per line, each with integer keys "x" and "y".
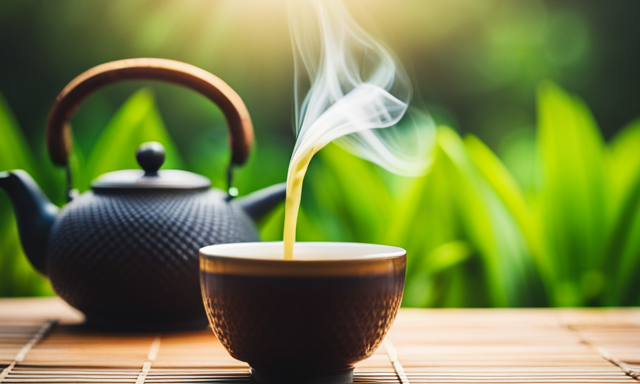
{"x": 259, "y": 203}
{"x": 35, "y": 215}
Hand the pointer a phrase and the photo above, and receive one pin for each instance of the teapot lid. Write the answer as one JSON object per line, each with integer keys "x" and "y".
{"x": 150, "y": 157}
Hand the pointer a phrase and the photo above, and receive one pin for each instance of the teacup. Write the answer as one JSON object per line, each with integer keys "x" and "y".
{"x": 307, "y": 320}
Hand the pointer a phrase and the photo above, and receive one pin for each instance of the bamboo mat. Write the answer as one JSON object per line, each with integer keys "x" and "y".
{"x": 40, "y": 342}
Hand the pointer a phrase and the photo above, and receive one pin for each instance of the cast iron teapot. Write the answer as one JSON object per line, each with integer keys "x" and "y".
{"x": 126, "y": 253}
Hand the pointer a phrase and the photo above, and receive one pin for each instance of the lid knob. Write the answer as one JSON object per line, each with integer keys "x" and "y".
{"x": 150, "y": 156}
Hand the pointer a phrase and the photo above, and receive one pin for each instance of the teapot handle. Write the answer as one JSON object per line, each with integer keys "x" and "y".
{"x": 59, "y": 142}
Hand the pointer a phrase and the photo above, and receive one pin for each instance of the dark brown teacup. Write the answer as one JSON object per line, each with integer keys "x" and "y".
{"x": 307, "y": 320}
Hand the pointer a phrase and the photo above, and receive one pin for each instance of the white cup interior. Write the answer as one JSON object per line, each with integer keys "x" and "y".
{"x": 303, "y": 251}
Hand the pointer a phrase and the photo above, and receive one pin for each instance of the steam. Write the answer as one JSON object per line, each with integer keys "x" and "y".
{"x": 349, "y": 89}
{"x": 348, "y": 86}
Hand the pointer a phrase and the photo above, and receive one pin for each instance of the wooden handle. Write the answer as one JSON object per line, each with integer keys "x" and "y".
{"x": 59, "y": 141}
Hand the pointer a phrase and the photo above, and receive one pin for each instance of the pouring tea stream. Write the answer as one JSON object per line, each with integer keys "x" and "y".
{"x": 348, "y": 88}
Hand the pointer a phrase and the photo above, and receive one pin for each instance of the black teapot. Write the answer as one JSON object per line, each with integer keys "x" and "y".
{"x": 126, "y": 253}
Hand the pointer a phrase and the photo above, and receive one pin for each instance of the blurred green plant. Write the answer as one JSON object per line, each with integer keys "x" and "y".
{"x": 558, "y": 228}
{"x": 17, "y": 277}
{"x": 566, "y": 234}
{"x": 581, "y": 226}
{"x": 137, "y": 121}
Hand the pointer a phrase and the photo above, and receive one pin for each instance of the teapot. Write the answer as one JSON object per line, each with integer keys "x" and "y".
{"x": 126, "y": 253}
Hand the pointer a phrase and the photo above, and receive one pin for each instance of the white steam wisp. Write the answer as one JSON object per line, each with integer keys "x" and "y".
{"x": 347, "y": 87}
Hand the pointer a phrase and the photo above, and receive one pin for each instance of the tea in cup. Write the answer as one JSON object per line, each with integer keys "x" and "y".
{"x": 306, "y": 320}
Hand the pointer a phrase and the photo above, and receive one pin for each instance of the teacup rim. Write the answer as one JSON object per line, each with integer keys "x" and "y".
{"x": 385, "y": 251}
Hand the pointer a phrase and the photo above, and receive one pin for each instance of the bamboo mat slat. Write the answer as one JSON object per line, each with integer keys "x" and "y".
{"x": 423, "y": 346}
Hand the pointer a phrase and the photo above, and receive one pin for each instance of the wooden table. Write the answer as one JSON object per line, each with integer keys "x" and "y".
{"x": 40, "y": 342}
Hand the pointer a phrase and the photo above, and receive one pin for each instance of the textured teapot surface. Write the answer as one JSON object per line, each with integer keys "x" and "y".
{"x": 131, "y": 257}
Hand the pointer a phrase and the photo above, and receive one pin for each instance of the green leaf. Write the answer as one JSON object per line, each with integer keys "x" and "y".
{"x": 471, "y": 199}
{"x": 446, "y": 256}
{"x": 17, "y": 276}
{"x": 518, "y": 153}
{"x": 574, "y": 202}
{"x": 625, "y": 159}
{"x": 19, "y": 279}
{"x": 424, "y": 217}
{"x": 624, "y": 240}
{"x": 420, "y": 290}
{"x": 626, "y": 245}
{"x": 349, "y": 192}
{"x": 445, "y": 206}
{"x": 137, "y": 121}
{"x": 506, "y": 188}
{"x": 271, "y": 227}
{"x": 267, "y": 165}
{"x": 14, "y": 150}
{"x": 490, "y": 228}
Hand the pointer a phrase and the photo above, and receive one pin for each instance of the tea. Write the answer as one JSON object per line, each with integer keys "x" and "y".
{"x": 295, "y": 177}
{"x": 348, "y": 86}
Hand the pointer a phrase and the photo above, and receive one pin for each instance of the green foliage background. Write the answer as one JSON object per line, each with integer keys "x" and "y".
{"x": 474, "y": 235}
{"x": 529, "y": 201}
